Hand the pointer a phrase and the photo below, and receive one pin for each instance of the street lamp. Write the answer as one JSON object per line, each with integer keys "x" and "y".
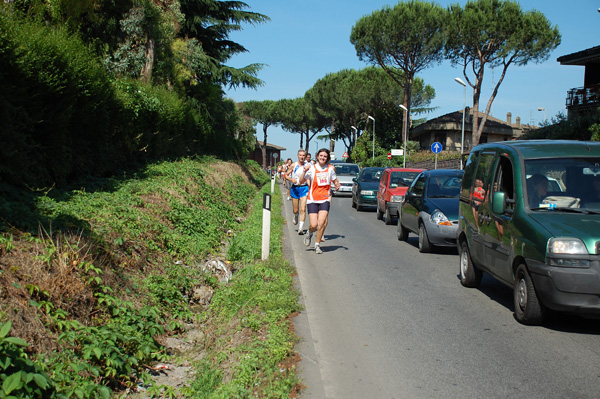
{"x": 543, "y": 109}
{"x": 462, "y": 134}
{"x": 404, "y": 138}
{"x": 370, "y": 117}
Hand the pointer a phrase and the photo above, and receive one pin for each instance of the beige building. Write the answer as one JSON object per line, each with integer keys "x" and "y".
{"x": 447, "y": 129}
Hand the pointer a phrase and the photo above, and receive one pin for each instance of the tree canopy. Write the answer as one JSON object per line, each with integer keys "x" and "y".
{"x": 171, "y": 41}
{"x": 345, "y": 98}
{"x": 403, "y": 40}
{"x": 495, "y": 34}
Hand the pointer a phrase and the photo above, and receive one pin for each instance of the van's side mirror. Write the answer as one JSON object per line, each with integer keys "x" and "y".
{"x": 499, "y": 202}
{"x": 354, "y": 179}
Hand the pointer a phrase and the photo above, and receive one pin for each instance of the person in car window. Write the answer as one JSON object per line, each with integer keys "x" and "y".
{"x": 478, "y": 193}
{"x": 319, "y": 177}
{"x": 537, "y": 189}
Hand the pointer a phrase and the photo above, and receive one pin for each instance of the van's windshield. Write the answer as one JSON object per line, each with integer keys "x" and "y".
{"x": 563, "y": 183}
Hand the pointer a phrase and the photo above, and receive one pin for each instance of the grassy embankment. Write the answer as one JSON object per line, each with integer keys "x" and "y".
{"x": 93, "y": 281}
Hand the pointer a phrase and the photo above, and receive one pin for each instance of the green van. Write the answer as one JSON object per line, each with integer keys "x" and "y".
{"x": 529, "y": 215}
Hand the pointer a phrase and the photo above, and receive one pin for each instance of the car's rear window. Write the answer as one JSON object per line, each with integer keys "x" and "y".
{"x": 402, "y": 179}
{"x": 351, "y": 169}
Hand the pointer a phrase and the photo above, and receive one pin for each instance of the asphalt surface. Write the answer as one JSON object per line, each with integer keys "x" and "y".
{"x": 382, "y": 320}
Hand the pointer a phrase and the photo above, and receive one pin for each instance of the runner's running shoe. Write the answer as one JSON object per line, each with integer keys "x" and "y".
{"x": 318, "y": 249}
{"x": 307, "y": 239}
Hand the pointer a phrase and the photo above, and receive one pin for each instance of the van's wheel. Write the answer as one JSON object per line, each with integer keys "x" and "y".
{"x": 389, "y": 219}
{"x": 379, "y": 213}
{"x": 470, "y": 276}
{"x": 528, "y": 309}
{"x": 402, "y": 232}
{"x": 424, "y": 244}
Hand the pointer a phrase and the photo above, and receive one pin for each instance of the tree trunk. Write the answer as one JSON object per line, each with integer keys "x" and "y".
{"x": 307, "y": 139}
{"x": 476, "y": 135}
{"x": 407, "y": 95}
{"x": 263, "y": 147}
{"x": 492, "y": 97}
{"x": 146, "y": 72}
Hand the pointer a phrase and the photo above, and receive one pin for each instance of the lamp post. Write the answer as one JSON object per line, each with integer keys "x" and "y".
{"x": 370, "y": 117}
{"x": 543, "y": 109}
{"x": 462, "y": 134}
{"x": 404, "y": 138}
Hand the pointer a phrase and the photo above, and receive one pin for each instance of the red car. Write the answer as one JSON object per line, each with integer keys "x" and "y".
{"x": 392, "y": 188}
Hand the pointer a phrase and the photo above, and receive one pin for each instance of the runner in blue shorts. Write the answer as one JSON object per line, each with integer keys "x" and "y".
{"x": 298, "y": 192}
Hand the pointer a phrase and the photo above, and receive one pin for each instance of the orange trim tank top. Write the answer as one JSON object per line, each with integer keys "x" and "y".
{"x": 320, "y": 183}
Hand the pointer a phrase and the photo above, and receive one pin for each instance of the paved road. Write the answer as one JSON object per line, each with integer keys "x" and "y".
{"x": 382, "y": 320}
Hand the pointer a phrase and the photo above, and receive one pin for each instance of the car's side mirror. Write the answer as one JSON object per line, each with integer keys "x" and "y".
{"x": 499, "y": 202}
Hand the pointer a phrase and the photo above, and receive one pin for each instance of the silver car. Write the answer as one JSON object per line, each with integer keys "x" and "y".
{"x": 345, "y": 173}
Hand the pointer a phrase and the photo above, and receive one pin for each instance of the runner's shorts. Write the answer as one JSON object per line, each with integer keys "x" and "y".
{"x": 299, "y": 191}
{"x": 316, "y": 207}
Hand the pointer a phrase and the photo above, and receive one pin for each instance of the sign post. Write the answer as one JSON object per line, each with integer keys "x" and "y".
{"x": 266, "y": 226}
{"x": 436, "y": 148}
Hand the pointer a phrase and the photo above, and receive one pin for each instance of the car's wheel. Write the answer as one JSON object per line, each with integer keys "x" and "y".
{"x": 402, "y": 232}
{"x": 424, "y": 244}
{"x": 379, "y": 213}
{"x": 389, "y": 219}
{"x": 528, "y": 309}
{"x": 470, "y": 276}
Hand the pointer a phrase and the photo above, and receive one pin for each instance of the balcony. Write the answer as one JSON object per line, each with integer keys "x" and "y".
{"x": 581, "y": 98}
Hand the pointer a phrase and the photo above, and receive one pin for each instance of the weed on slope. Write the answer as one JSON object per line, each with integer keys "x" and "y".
{"x": 94, "y": 282}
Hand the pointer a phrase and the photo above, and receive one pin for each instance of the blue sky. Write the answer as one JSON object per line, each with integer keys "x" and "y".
{"x": 307, "y": 39}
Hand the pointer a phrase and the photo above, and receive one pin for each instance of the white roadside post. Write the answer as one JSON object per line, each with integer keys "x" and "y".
{"x": 266, "y": 227}
{"x": 272, "y": 182}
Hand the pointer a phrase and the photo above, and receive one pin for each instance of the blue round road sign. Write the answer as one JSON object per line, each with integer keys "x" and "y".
{"x": 436, "y": 147}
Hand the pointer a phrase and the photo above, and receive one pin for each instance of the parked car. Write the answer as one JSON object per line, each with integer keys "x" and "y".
{"x": 364, "y": 190}
{"x": 392, "y": 187}
{"x": 345, "y": 173}
{"x": 430, "y": 209}
{"x": 544, "y": 244}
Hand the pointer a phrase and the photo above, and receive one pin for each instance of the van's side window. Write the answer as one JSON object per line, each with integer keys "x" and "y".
{"x": 504, "y": 180}
{"x": 481, "y": 184}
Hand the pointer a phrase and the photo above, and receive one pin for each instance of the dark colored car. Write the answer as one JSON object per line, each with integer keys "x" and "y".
{"x": 364, "y": 190}
{"x": 530, "y": 216}
{"x": 430, "y": 209}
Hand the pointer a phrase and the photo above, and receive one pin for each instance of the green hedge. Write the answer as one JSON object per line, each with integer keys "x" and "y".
{"x": 64, "y": 117}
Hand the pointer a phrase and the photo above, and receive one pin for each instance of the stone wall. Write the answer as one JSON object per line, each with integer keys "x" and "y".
{"x": 430, "y": 164}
